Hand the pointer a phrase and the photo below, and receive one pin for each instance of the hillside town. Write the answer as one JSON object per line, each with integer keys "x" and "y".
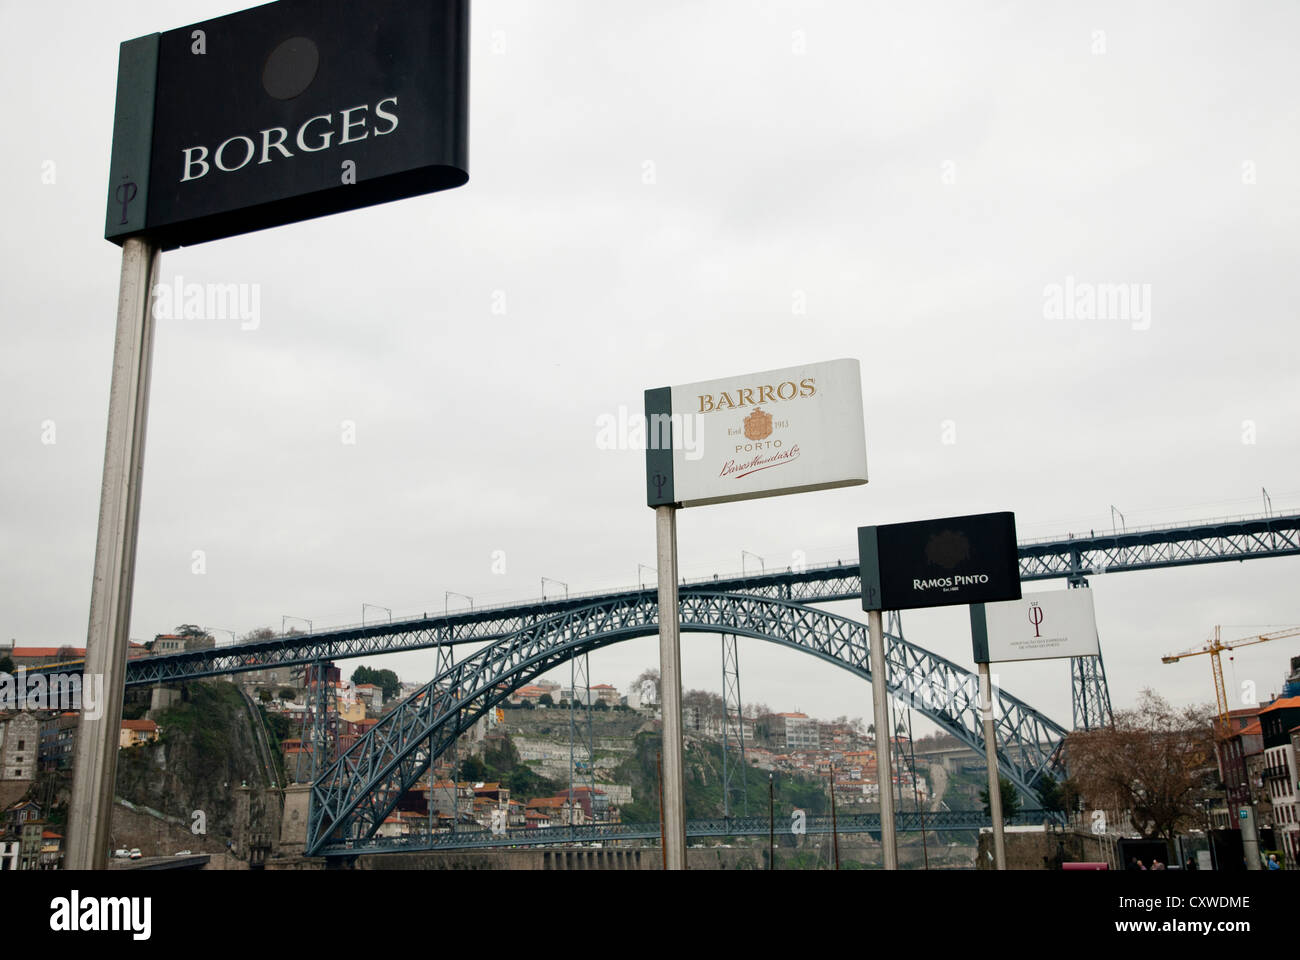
{"x": 35, "y": 742}
{"x": 520, "y": 766}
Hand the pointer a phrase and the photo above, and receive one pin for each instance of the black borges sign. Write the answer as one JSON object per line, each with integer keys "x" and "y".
{"x": 285, "y": 112}
{"x": 937, "y": 563}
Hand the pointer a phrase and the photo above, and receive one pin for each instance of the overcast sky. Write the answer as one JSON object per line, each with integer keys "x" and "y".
{"x": 670, "y": 192}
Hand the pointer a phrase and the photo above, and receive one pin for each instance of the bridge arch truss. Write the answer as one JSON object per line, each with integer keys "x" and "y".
{"x": 354, "y": 795}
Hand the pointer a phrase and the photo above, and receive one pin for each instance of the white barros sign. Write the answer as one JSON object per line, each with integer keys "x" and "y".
{"x": 1040, "y": 626}
{"x": 757, "y": 435}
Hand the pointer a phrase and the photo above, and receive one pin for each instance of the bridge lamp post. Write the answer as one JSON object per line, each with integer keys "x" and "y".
{"x": 448, "y": 594}
{"x": 286, "y": 616}
{"x": 558, "y": 583}
{"x": 762, "y": 565}
{"x": 639, "y": 567}
{"x": 771, "y": 820}
{"x": 233, "y": 639}
{"x": 377, "y": 607}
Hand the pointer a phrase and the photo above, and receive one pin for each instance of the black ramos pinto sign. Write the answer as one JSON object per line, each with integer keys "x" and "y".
{"x": 285, "y": 112}
{"x": 937, "y": 563}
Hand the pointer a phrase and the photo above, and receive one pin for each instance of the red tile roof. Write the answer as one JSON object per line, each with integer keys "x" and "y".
{"x": 54, "y": 651}
{"x": 141, "y": 726}
{"x": 548, "y": 802}
{"x": 1284, "y": 703}
{"x": 47, "y": 651}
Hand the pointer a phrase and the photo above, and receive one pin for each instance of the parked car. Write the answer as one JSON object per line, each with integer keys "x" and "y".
{"x": 183, "y": 853}
{"x": 122, "y": 854}
{"x": 135, "y": 853}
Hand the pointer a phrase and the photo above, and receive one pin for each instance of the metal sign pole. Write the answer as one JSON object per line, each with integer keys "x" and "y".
{"x": 884, "y": 766}
{"x": 119, "y": 520}
{"x": 670, "y": 688}
{"x": 991, "y": 759}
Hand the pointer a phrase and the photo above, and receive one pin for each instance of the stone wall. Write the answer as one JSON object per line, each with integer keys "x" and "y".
{"x": 1039, "y": 850}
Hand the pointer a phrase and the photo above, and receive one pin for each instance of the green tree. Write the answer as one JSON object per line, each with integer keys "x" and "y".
{"x": 1051, "y": 795}
{"x": 279, "y": 725}
{"x": 6, "y": 665}
{"x": 474, "y": 770}
{"x": 193, "y": 630}
{"x": 1010, "y": 798}
{"x": 386, "y": 680}
{"x": 545, "y": 700}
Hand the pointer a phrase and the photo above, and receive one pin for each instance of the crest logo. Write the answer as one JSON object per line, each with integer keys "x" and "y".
{"x": 1035, "y": 617}
{"x": 758, "y": 425}
{"x": 948, "y": 549}
{"x": 125, "y": 193}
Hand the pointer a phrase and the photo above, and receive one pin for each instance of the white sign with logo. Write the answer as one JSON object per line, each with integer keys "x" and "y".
{"x": 770, "y": 433}
{"x": 1041, "y": 626}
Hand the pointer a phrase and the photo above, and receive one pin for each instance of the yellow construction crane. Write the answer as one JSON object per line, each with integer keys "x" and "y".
{"x": 1213, "y": 648}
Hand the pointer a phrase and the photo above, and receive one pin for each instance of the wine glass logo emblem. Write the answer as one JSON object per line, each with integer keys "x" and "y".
{"x": 1035, "y": 617}
{"x": 124, "y": 194}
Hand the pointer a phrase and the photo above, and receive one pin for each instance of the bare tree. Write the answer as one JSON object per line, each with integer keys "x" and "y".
{"x": 649, "y": 675}
{"x": 1151, "y": 763}
{"x": 709, "y": 703}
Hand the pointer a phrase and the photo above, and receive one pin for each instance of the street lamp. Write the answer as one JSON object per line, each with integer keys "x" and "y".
{"x": 639, "y": 568}
{"x": 377, "y": 607}
{"x": 286, "y": 616}
{"x": 559, "y": 583}
{"x": 448, "y": 594}
{"x": 745, "y": 553}
{"x": 771, "y": 819}
{"x": 233, "y": 639}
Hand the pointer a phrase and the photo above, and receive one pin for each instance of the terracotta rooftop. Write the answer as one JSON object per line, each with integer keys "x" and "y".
{"x": 1283, "y": 703}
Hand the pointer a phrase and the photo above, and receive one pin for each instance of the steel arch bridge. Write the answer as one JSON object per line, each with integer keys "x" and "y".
{"x": 352, "y": 797}
{"x": 1067, "y": 557}
{"x": 1070, "y": 557}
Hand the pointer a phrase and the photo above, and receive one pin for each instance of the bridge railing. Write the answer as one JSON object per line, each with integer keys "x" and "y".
{"x": 736, "y": 582}
{"x": 943, "y": 821}
{"x": 1284, "y": 517}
